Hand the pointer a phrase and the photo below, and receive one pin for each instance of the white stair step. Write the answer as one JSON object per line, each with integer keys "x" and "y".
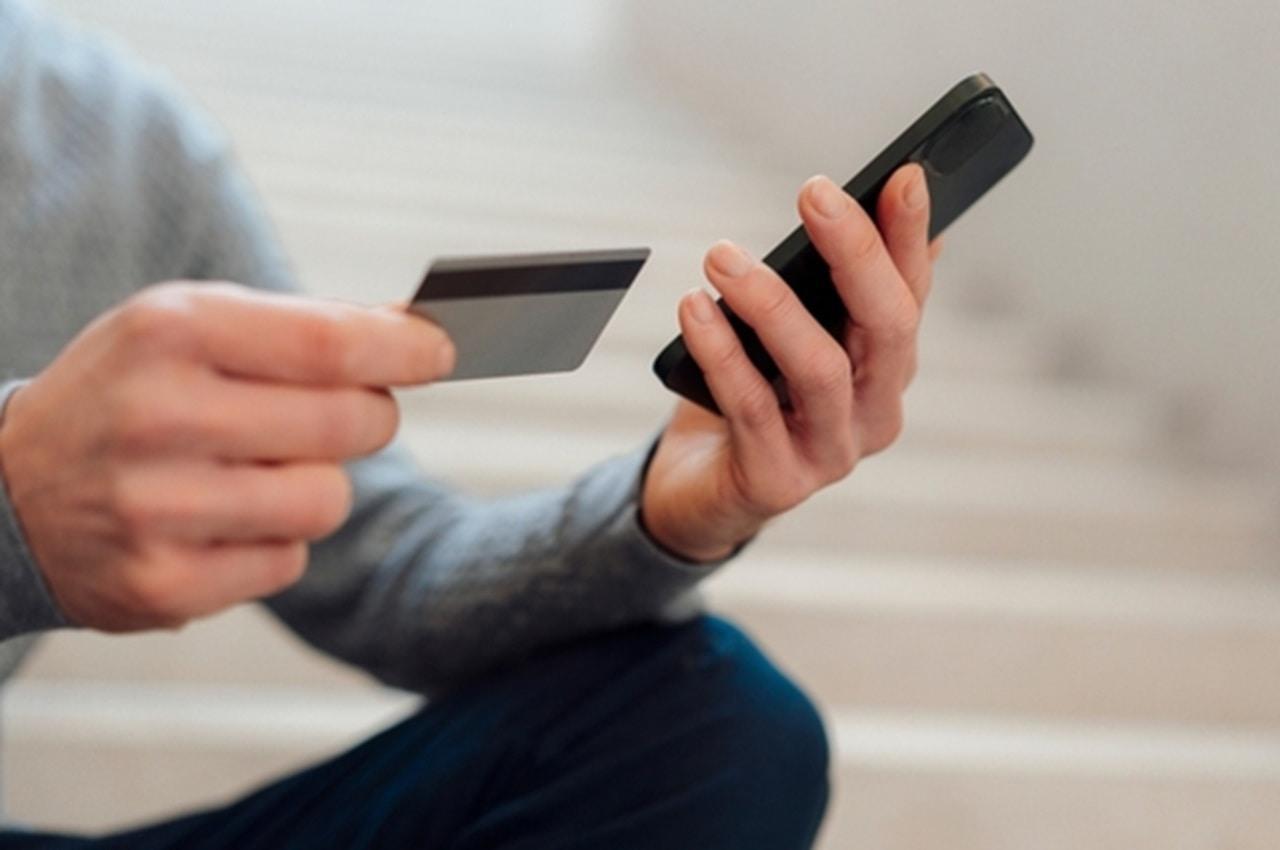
{"x": 1044, "y": 641}
{"x": 993, "y": 785}
{"x": 874, "y": 529}
{"x": 182, "y": 747}
{"x": 768, "y": 577}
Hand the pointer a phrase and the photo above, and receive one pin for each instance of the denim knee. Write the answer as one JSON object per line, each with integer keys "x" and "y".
{"x": 774, "y": 736}
{"x": 655, "y": 736}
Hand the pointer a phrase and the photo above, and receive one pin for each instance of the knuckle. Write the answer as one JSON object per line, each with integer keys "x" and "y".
{"x": 827, "y": 374}
{"x": 864, "y": 240}
{"x": 357, "y": 422}
{"x": 757, "y": 407}
{"x": 783, "y": 489}
{"x": 329, "y": 503}
{"x": 777, "y": 303}
{"x": 343, "y": 495}
{"x": 154, "y": 593}
{"x": 913, "y": 367}
{"x": 445, "y": 355}
{"x": 432, "y": 355}
{"x": 134, "y": 507}
{"x": 285, "y": 566}
{"x": 784, "y": 494}
{"x": 338, "y": 428}
{"x": 384, "y": 419}
{"x": 369, "y": 420}
{"x": 778, "y": 501}
{"x": 921, "y": 282}
{"x": 127, "y": 424}
{"x": 144, "y": 421}
{"x": 902, "y": 321}
{"x": 726, "y": 357}
{"x": 217, "y": 427}
{"x": 326, "y": 341}
{"x": 157, "y": 319}
{"x": 906, "y": 325}
{"x": 145, "y": 513}
{"x": 887, "y": 432}
{"x": 219, "y": 289}
{"x": 845, "y": 458}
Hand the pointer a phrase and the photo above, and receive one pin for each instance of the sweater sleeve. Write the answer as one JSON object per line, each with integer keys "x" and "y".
{"x": 26, "y": 605}
{"x": 424, "y": 588}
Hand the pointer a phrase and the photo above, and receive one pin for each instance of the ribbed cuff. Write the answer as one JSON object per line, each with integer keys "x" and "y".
{"x": 626, "y": 544}
{"x": 26, "y": 605}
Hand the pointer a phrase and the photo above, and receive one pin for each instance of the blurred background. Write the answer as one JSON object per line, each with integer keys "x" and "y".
{"x": 1049, "y": 617}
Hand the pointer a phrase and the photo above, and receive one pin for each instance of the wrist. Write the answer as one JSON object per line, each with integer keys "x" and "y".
{"x": 692, "y": 540}
{"x": 697, "y": 554}
{"x": 691, "y": 523}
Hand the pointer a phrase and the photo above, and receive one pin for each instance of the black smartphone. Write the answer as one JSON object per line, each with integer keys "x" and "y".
{"x": 965, "y": 143}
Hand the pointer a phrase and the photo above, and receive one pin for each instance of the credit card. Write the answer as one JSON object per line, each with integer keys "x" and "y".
{"x": 525, "y": 314}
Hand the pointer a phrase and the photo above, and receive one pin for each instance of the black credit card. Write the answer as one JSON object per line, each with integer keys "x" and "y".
{"x": 525, "y": 314}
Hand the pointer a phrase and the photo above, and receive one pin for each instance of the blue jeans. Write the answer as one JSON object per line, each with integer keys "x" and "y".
{"x": 651, "y": 737}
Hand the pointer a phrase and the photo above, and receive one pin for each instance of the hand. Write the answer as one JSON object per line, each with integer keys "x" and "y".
{"x": 714, "y": 481}
{"x": 177, "y": 456}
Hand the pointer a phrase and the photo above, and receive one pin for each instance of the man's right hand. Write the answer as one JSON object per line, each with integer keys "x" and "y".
{"x": 178, "y": 455}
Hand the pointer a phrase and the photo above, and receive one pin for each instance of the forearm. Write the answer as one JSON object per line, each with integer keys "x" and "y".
{"x": 424, "y": 588}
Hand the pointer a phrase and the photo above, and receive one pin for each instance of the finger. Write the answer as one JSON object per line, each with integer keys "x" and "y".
{"x": 241, "y": 420}
{"x": 207, "y": 579}
{"x": 277, "y": 337}
{"x": 902, "y": 213}
{"x": 864, "y": 274}
{"x": 884, "y": 312}
{"x": 816, "y": 367}
{"x": 198, "y": 503}
{"x": 746, "y": 400}
{"x": 276, "y": 422}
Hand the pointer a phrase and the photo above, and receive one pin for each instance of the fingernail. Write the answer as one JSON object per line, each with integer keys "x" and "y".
{"x": 700, "y": 306}
{"x": 828, "y": 198}
{"x": 915, "y": 193}
{"x": 730, "y": 260}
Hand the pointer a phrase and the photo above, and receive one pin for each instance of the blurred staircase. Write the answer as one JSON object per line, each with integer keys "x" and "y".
{"x": 1027, "y": 625}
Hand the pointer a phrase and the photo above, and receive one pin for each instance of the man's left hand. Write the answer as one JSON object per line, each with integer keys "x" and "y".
{"x": 715, "y": 480}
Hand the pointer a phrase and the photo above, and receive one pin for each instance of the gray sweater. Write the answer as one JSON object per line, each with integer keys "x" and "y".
{"x": 109, "y": 183}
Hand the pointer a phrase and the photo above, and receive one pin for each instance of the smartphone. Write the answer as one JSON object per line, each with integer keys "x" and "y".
{"x": 965, "y": 143}
{"x": 525, "y": 314}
